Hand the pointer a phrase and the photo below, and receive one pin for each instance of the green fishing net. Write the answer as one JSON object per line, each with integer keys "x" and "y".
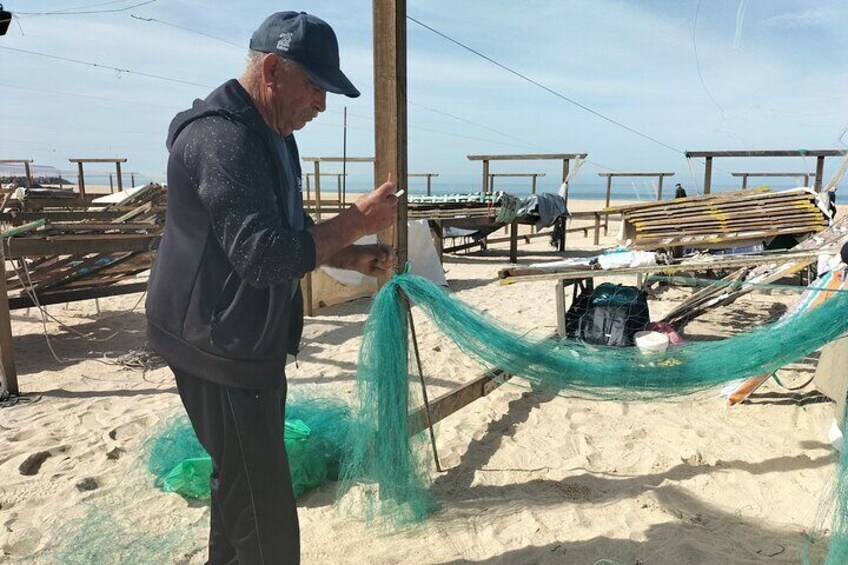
{"x": 382, "y": 452}
{"x": 315, "y": 433}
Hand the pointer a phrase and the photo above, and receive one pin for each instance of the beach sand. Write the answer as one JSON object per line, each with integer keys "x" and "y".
{"x": 530, "y": 478}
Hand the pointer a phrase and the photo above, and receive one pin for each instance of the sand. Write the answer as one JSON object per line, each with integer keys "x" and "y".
{"x": 530, "y": 478}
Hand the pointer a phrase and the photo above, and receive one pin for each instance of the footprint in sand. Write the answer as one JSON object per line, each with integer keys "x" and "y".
{"x": 32, "y": 464}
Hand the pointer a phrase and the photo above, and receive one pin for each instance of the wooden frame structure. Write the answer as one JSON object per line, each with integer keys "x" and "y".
{"x": 746, "y": 176}
{"x": 317, "y": 174}
{"x": 564, "y": 157}
{"x": 25, "y": 162}
{"x": 819, "y": 154}
{"x": 532, "y": 176}
{"x": 64, "y": 259}
{"x": 81, "y": 172}
{"x": 422, "y": 175}
{"x": 610, "y": 176}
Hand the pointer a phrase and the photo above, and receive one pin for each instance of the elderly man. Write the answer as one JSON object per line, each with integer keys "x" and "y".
{"x": 224, "y": 306}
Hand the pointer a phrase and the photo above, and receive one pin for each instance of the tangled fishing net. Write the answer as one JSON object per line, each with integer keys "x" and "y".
{"x": 382, "y": 451}
{"x": 383, "y": 472}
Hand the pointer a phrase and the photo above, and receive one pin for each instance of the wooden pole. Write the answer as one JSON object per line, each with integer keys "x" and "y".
{"x": 132, "y": 178}
{"x": 491, "y": 184}
{"x": 28, "y": 173}
{"x": 659, "y": 190}
{"x": 807, "y": 180}
{"x": 744, "y": 182}
{"x": 428, "y": 184}
{"x": 9, "y": 374}
{"x": 120, "y": 176}
{"x": 609, "y": 190}
{"x": 111, "y": 186}
{"x": 708, "y": 175}
{"x": 485, "y": 175}
{"x": 565, "y": 179}
{"x": 533, "y": 185}
{"x": 390, "y": 128}
{"x": 308, "y": 197}
{"x": 81, "y": 179}
{"x": 819, "y": 172}
{"x": 317, "y": 178}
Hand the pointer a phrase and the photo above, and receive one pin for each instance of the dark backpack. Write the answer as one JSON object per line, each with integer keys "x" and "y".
{"x": 611, "y": 314}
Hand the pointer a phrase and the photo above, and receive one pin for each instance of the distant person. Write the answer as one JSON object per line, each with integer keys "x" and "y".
{"x": 679, "y": 191}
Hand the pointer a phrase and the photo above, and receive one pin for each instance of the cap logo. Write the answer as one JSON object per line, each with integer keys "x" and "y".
{"x": 285, "y": 41}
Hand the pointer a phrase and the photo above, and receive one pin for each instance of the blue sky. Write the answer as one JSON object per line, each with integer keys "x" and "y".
{"x": 775, "y": 76}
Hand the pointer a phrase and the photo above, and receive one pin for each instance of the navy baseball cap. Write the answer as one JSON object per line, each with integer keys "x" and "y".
{"x": 311, "y": 42}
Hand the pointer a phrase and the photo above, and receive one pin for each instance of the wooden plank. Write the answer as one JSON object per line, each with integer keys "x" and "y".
{"x": 513, "y": 242}
{"x": 527, "y": 157}
{"x": 451, "y": 402}
{"x": 770, "y": 153}
{"x": 62, "y": 297}
{"x": 390, "y": 125}
{"x": 769, "y": 175}
{"x": 635, "y": 174}
{"x": 77, "y": 245}
{"x": 338, "y": 159}
{"x": 99, "y": 160}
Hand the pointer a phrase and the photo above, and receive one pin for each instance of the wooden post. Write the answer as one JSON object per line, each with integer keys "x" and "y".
{"x": 111, "y": 186}
{"x": 308, "y": 197}
{"x": 565, "y": 179}
{"x": 708, "y": 175}
{"x": 439, "y": 239}
{"x": 607, "y": 203}
{"x": 744, "y": 181}
{"x": 7, "y": 353}
{"x": 132, "y": 179}
{"x": 819, "y": 172}
{"x": 807, "y": 180}
{"x": 390, "y": 129}
{"x": 597, "y": 228}
{"x": 428, "y": 185}
{"x": 485, "y": 175}
{"x": 513, "y": 242}
{"x": 317, "y": 178}
{"x": 533, "y": 186}
{"x": 659, "y": 191}
{"x": 28, "y": 173}
{"x": 81, "y": 180}
{"x": 120, "y": 176}
{"x": 491, "y": 184}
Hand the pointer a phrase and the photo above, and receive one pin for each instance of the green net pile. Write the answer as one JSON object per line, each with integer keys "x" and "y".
{"x": 315, "y": 436}
{"x": 381, "y": 450}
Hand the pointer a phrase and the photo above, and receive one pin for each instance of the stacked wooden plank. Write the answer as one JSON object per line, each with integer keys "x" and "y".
{"x": 712, "y": 220}
{"x": 56, "y": 259}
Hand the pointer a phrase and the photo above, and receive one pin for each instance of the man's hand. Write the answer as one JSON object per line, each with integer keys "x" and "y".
{"x": 376, "y": 209}
{"x": 372, "y": 260}
{"x": 371, "y": 213}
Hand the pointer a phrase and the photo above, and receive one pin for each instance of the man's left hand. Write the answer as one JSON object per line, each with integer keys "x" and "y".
{"x": 373, "y": 260}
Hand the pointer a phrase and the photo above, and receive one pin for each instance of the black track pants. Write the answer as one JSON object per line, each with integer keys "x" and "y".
{"x": 254, "y": 515}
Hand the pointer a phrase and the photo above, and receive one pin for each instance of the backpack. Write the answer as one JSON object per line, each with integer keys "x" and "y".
{"x": 611, "y": 314}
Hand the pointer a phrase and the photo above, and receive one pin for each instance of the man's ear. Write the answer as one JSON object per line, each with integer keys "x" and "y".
{"x": 270, "y": 67}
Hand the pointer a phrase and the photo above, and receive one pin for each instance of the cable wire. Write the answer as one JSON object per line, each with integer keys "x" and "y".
{"x": 108, "y": 67}
{"x": 546, "y": 88}
{"x": 69, "y": 12}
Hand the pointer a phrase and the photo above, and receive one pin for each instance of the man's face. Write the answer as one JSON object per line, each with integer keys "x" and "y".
{"x": 297, "y": 99}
